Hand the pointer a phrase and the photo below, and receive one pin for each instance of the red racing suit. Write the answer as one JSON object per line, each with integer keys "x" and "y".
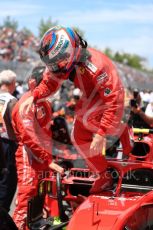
{"x": 34, "y": 152}
{"x": 100, "y": 109}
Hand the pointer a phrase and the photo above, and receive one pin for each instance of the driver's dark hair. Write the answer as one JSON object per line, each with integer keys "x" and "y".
{"x": 84, "y": 52}
{"x": 83, "y": 42}
{"x": 37, "y": 74}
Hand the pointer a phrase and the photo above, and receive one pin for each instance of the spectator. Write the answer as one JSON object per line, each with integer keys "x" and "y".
{"x": 144, "y": 115}
{"x": 146, "y": 97}
{"x": 19, "y": 90}
{"x": 135, "y": 119}
{"x": 149, "y": 109}
{"x": 147, "y": 116}
{"x": 8, "y": 178}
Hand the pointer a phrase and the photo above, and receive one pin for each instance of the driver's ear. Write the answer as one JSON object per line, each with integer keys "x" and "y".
{"x": 32, "y": 84}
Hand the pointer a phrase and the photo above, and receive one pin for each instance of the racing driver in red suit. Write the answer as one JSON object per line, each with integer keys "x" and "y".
{"x": 34, "y": 154}
{"x": 100, "y": 109}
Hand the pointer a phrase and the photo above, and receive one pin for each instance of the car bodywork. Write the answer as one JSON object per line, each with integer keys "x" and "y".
{"x": 127, "y": 205}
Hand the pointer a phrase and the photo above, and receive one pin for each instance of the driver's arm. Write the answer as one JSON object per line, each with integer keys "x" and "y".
{"x": 47, "y": 87}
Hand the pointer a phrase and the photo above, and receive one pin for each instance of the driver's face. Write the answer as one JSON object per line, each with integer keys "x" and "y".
{"x": 58, "y": 74}
{"x": 59, "y": 63}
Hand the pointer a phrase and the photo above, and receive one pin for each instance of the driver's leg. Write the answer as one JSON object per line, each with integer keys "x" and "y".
{"x": 82, "y": 139}
{"x": 27, "y": 185}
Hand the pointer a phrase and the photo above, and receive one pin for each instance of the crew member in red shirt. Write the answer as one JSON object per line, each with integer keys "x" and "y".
{"x": 34, "y": 154}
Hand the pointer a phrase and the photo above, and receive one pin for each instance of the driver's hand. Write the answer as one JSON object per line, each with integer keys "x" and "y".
{"x": 56, "y": 168}
{"x": 97, "y": 145}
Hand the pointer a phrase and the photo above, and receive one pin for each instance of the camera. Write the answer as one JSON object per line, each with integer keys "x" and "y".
{"x": 133, "y": 103}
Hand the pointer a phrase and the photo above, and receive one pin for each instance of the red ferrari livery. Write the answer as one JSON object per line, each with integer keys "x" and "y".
{"x": 127, "y": 205}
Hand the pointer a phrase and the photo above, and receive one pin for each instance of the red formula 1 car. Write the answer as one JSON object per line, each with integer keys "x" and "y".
{"x": 127, "y": 205}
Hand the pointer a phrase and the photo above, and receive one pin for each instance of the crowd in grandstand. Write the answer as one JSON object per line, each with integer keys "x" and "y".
{"x": 17, "y": 46}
